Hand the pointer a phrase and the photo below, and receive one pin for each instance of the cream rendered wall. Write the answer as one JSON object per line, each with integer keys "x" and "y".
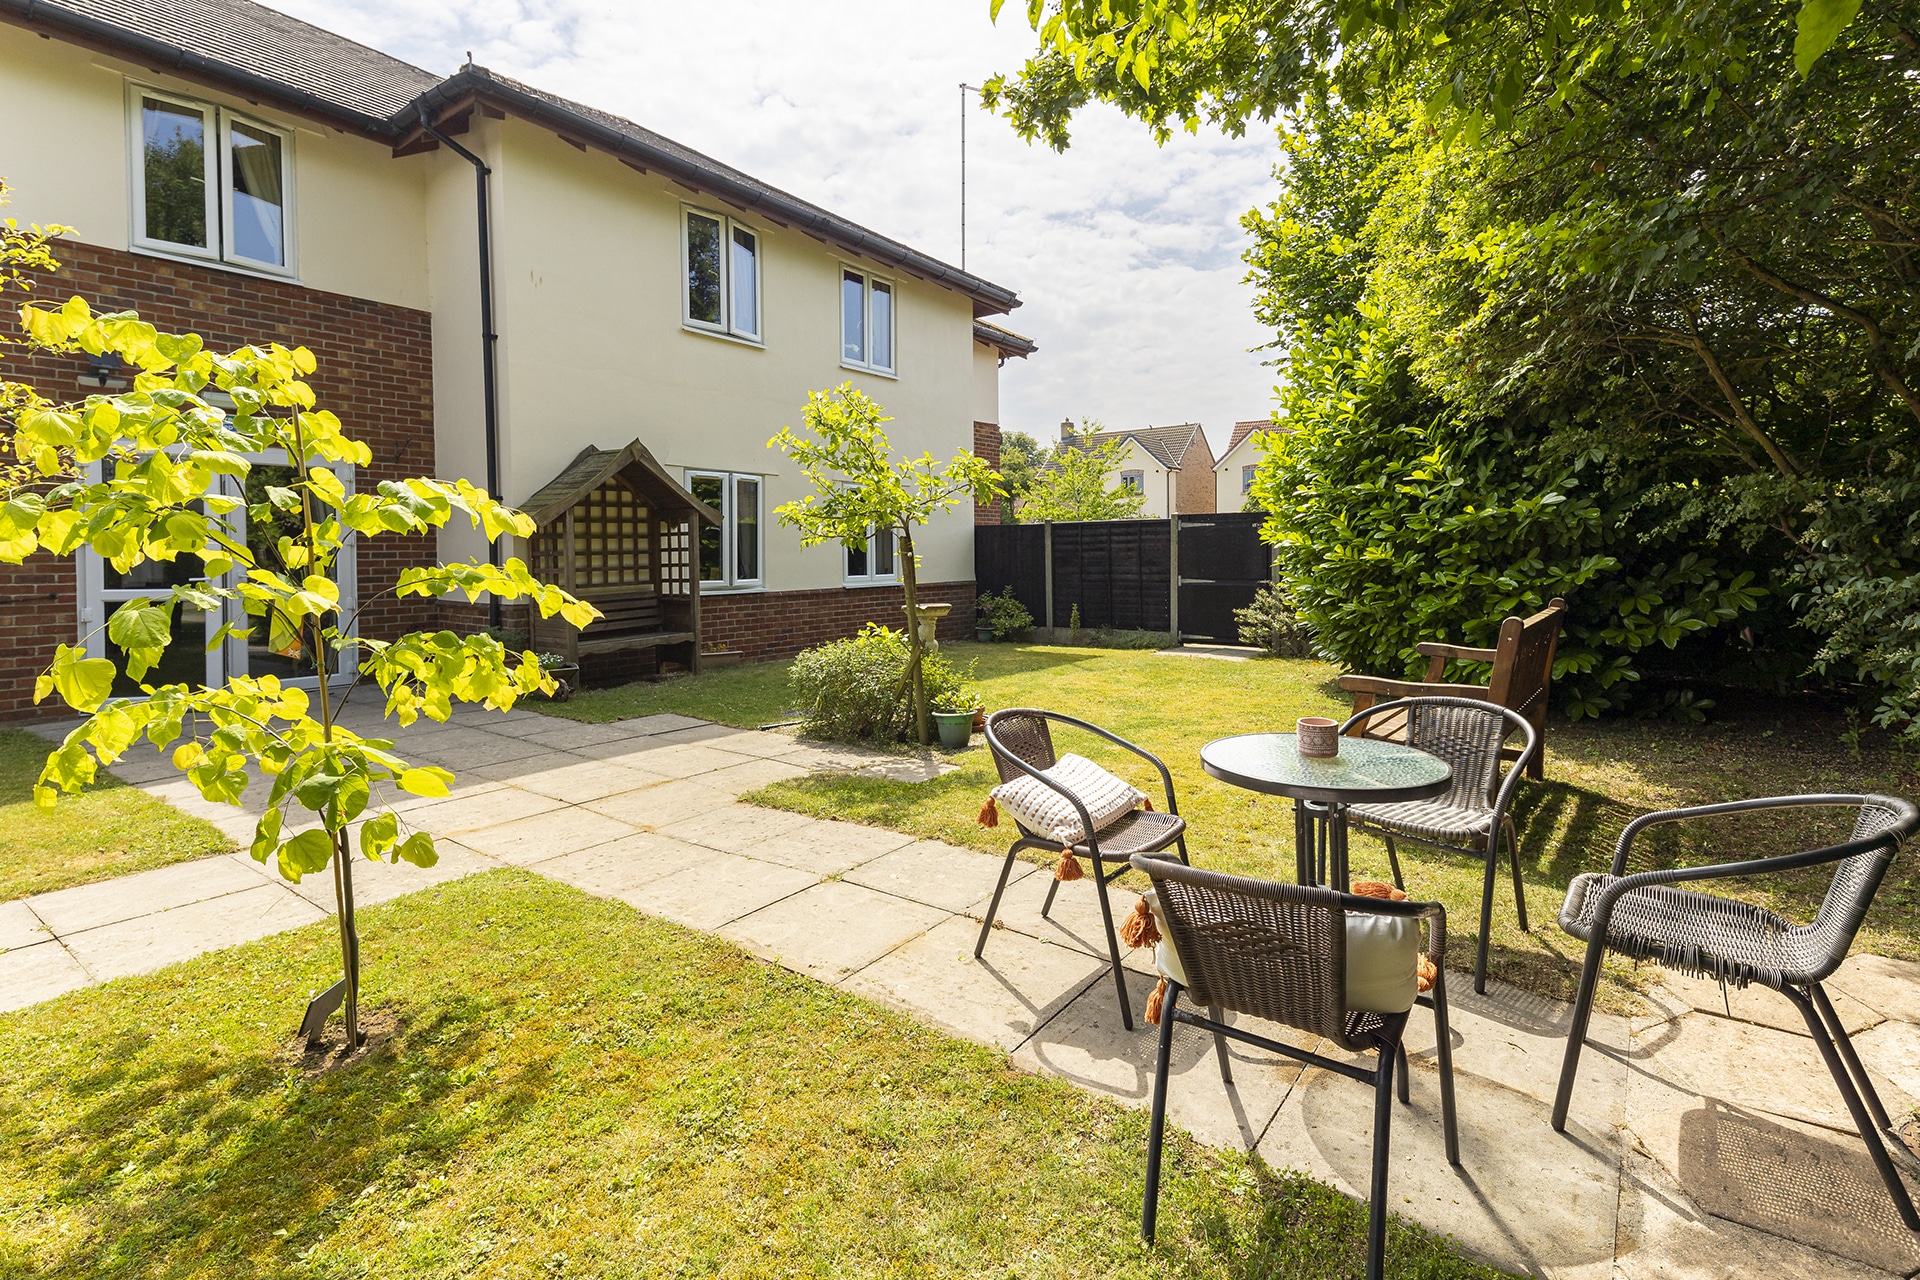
{"x": 986, "y": 384}
{"x": 1227, "y": 472}
{"x": 453, "y": 273}
{"x": 1158, "y": 481}
{"x": 357, "y": 211}
{"x": 593, "y": 352}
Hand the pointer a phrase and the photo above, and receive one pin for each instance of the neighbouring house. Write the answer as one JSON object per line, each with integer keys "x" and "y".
{"x": 1233, "y": 474}
{"x": 499, "y": 284}
{"x": 1171, "y": 467}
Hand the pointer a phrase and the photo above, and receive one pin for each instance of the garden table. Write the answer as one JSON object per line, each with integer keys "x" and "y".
{"x": 1366, "y": 771}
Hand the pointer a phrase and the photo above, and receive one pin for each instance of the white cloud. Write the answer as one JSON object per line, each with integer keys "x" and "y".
{"x": 1126, "y": 255}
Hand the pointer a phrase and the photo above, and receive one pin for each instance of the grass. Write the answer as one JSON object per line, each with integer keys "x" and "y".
{"x": 747, "y": 696}
{"x": 111, "y": 829}
{"x": 1599, "y": 777}
{"x": 560, "y": 1086}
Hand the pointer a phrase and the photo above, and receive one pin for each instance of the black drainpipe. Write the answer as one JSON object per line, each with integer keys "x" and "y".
{"x": 487, "y": 336}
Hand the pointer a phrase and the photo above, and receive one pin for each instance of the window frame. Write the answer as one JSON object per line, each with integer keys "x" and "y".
{"x": 218, "y": 121}
{"x": 867, "y": 281}
{"x": 730, "y": 529}
{"x": 1135, "y": 481}
{"x": 1247, "y": 473}
{"x": 726, "y": 327}
{"x": 870, "y": 579}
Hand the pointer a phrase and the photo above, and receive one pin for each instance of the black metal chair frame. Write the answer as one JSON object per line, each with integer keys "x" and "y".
{"x": 1502, "y": 827}
{"x": 1802, "y": 988}
{"x": 1089, "y": 848}
{"x": 1386, "y": 1038}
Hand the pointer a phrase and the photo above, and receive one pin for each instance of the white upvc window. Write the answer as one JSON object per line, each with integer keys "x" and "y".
{"x": 721, "y": 262}
{"x": 866, "y": 321}
{"x": 1246, "y": 478}
{"x": 209, "y": 183}
{"x": 1133, "y": 481}
{"x": 874, "y": 561}
{"x": 733, "y": 555}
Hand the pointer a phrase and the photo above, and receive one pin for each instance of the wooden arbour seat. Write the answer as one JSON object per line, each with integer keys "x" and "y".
{"x": 618, "y": 531}
{"x": 1522, "y": 674}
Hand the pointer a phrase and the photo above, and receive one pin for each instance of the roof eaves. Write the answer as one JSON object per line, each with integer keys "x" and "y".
{"x": 173, "y": 59}
{"x": 708, "y": 176}
{"x": 1005, "y": 341}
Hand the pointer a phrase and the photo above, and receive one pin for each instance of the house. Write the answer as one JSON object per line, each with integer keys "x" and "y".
{"x": 497, "y": 282}
{"x": 1172, "y": 467}
{"x": 1233, "y": 474}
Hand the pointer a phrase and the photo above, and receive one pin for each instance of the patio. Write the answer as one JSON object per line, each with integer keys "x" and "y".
{"x": 1660, "y": 1172}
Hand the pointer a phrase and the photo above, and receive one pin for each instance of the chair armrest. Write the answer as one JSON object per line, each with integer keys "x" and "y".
{"x": 1410, "y": 688}
{"x": 1664, "y": 816}
{"x": 1603, "y": 910}
{"x": 1166, "y": 778}
{"x": 1461, "y": 652}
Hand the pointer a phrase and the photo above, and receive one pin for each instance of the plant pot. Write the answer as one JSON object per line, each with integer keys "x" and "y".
{"x": 983, "y": 634}
{"x": 980, "y": 722}
{"x": 715, "y": 658}
{"x": 956, "y": 727}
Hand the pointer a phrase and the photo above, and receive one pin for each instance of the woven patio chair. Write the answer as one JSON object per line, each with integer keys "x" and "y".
{"x": 1646, "y": 916}
{"x": 1021, "y": 740}
{"x": 1472, "y": 817}
{"x": 1279, "y": 951}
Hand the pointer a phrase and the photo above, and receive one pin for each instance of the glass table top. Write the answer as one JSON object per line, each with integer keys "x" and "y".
{"x": 1365, "y": 771}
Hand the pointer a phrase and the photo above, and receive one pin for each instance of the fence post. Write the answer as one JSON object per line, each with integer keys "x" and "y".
{"x": 1046, "y": 544}
{"x": 1173, "y": 576}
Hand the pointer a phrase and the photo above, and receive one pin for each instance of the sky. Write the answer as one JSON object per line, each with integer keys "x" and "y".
{"x": 1126, "y": 254}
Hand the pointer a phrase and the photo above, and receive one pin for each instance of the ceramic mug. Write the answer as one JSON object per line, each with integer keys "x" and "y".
{"x": 1318, "y": 737}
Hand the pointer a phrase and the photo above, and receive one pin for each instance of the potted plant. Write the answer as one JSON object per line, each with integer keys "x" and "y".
{"x": 1002, "y": 617}
{"x": 566, "y": 675}
{"x": 953, "y": 715}
{"x": 715, "y": 653}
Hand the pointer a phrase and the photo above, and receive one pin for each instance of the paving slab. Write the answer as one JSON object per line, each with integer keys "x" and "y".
{"x": 457, "y": 751}
{"x": 377, "y": 882}
{"x": 1889, "y": 987}
{"x": 456, "y": 815}
{"x": 154, "y": 941}
{"x": 661, "y": 805}
{"x": 105, "y": 902}
{"x": 826, "y": 847}
{"x": 19, "y": 926}
{"x": 1524, "y": 1197}
{"x": 571, "y": 779}
{"x": 42, "y": 971}
{"x": 1075, "y": 918}
{"x": 737, "y": 828}
{"x": 718, "y": 890}
{"x": 1891, "y": 1054}
{"x": 1761, "y": 1005}
{"x": 667, "y": 759}
{"x": 465, "y": 786}
{"x": 568, "y": 735}
{"x": 830, "y": 757}
{"x": 761, "y": 743}
{"x": 714, "y": 735}
{"x": 527, "y": 841}
{"x": 832, "y": 929}
{"x": 1088, "y": 1045}
{"x": 751, "y": 775}
{"x": 999, "y": 1000}
{"x": 938, "y": 875}
{"x": 664, "y": 722}
{"x": 620, "y": 866}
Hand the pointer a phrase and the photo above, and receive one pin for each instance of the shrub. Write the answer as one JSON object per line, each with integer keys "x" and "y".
{"x": 853, "y": 690}
{"x": 1006, "y": 615}
{"x": 1269, "y": 623}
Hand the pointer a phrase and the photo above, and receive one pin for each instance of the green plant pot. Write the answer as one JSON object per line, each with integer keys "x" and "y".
{"x": 956, "y": 727}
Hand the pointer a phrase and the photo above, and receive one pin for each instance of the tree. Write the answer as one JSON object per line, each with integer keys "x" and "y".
{"x": 1021, "y": 457}
{"x": 1074, "y": 484}
{"x": 159, "y": 451}
{"x": 859, "y": 490}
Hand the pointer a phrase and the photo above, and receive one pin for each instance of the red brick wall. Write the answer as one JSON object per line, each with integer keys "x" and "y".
{"x": 376, "y": 373}
{"x": 779, "y": 624}
{"x": 986, "y": 444}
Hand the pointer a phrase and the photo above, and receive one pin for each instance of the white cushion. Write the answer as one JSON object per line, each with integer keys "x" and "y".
{"x": 1045, "y": 812}
{"x": 1381, "y": 954}
{"x": 1165, "y": 958}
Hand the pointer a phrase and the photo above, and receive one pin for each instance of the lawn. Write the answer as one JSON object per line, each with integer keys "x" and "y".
{"x": 109, "y": 830}
{"x": 1599, "y": 777}
{"x": 560, "y": 1086}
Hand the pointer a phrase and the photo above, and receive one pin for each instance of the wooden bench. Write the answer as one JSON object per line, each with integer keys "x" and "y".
{"x": 1522, "y": 661}
{"x": 630, "y": 622}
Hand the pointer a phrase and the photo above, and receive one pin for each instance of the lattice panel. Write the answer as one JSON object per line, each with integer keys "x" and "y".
{"x": 675, "y": 543}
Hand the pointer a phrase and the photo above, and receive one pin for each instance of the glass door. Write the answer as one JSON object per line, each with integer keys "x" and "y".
{"x": 186, "y": 660}
{"x": 295, "y": 659}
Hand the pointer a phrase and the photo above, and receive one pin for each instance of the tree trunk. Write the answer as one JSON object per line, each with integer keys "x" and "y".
{"x": 349, "y": 936}
{"x": 911, "y": 587}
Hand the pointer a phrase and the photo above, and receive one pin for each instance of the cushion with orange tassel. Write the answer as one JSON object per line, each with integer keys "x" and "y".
{"x": 1045, "y": 812}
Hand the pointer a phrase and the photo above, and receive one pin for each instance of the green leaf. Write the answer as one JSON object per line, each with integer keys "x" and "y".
{"x": 83, "y": 683}
{"x": 425, "y": 781}
{"x": 417, "y": 849}
{"x": 143, "y": 630}
{"x": 305, "y": 853}
{"x": 266, "y": 834}
{"x": 1820, "y": 23}
{"x": 378, "y": 833}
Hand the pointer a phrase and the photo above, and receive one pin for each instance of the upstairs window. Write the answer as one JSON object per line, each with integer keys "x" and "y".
{"x": 1246, "y": 479}
{"x": 723, "y": 275}
{"x": 1133, "y": 481}
{"x": 866, "y": 321}
{"x": 211, "y": 184}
